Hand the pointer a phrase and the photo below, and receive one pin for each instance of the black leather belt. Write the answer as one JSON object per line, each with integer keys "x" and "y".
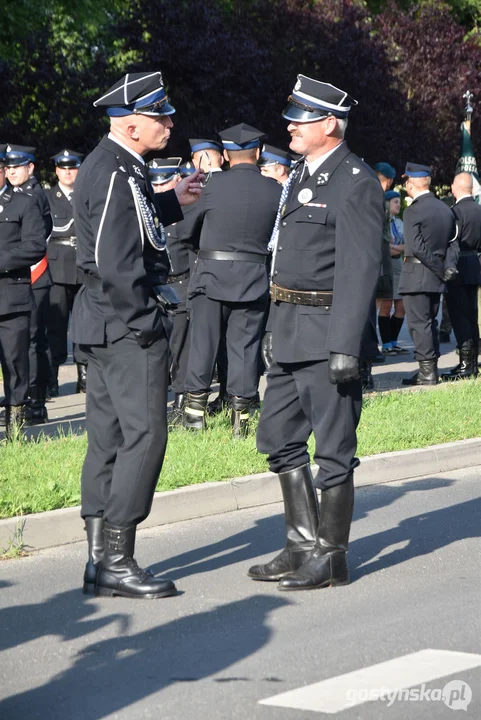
{"x": 18, "y": 274}
{"x": 301, "y": 297}
{"x": 176, "y": 278}
{"x": 412, "y": 260}
{"x": 70, "y": 241}
{"x": 235, "y": 256}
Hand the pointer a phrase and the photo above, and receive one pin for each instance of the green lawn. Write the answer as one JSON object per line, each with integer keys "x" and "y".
{"x": 44, "y": 475}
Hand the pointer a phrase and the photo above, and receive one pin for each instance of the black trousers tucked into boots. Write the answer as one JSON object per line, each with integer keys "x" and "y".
{"x": 127, "y": 429}
{"x": 299, "y": 399}
{"x": 14, "y": 344}
{"x": 421, "y": 310}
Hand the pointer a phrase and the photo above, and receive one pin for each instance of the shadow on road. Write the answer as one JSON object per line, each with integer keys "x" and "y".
{"x": 112, "y": 674}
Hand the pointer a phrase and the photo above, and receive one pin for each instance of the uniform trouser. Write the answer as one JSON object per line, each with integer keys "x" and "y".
{"x": 62, "y": 297}
{"x": 14, "y": 343}
{"x": 243, "y": 323}
{"x": 127, "y": 429}
{"x": 369, "y": 343}
{"x": 421, "y": 310}
{"x": 300, "y": 400}
{"x": 446, "y": 325}
{"x": 179, "y": 349}
{"x": 462, "y": 301}
{"x": 39, "y": 351}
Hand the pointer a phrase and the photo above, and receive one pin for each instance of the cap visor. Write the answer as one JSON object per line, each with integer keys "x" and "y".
{"x": 297, "y": 114}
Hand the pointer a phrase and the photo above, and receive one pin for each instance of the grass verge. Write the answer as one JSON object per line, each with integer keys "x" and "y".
{"x": 45, "y": 474}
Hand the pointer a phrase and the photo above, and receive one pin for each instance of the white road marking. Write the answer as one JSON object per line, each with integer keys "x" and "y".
{"x": 345, "y": 691}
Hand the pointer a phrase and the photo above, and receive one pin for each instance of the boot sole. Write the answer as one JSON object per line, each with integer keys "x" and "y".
{"x": 109, "y": 592}
{"x": 329, "y": 583}
{"x": 268, "y": 578}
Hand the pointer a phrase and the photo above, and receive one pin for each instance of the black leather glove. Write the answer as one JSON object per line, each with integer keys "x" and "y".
{"x": 450, "y": 273}
{"x": 343, "y": 368}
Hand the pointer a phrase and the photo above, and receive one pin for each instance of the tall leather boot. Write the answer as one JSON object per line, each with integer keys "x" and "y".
{"x": 14, "y": 421}
{"x": 467, "y": 366}
{"x": 81, "y": 378}
{"x": 95, "y": 538}
{"x": 239, "y": 416}
{"x": 118, "y": 572}
{"x": 36, "y": 411}
{"x": 426, "y": 375}
{"x": 53, "y": 389}
{"x": 327, "y": 563}
{"x": 195, "y": 411}
{"x": 302, "y": 518}
{"x": 176, "y": 412}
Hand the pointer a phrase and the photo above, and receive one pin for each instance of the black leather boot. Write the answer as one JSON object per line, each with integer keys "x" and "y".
{"x": 239, "y": 416}
{"x": 118, "y": 572}
{"x": 426, "y": 375}
{"x": 14, "y": 421}
{"x": 81, "y": 378}
{"x": 195, "y": 411}
{"x": 327, "y": 563}
{"x": 266, "y": 350}
{"x": 53, "y": 389}
{"x": 95, "y": 538}
{"x": 36, "y": 411}
{"x": 467, "y": 366}
{"x": 302, "y": 518}
{"x": 220, "y": 404}
{"x": 176, "y": 412}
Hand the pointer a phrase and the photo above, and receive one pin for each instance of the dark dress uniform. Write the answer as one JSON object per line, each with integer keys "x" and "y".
{"x": 22, "y": 243}
{"x": 229, "y": 287}
{"x": 62, "y": 261}
{"x": 326, "y": 262}
{"x": 180, "y": 261}
{"x": 39, "y": 349}
{"x": 428, "y": 228}
{"x": 121, "y": 330}
{"x": 462, "y": 290}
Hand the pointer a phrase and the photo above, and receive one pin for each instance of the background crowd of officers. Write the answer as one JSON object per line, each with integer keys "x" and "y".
{"x": 221, "y": 322}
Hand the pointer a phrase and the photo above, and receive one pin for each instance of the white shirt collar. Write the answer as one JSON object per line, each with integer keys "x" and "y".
{"x": 125, "y": 147}
{"x": 66, "y": 191}
{"x": 423, "y": 192}
{"x": 462, "y": 198}
{"x": 316, "y": 164}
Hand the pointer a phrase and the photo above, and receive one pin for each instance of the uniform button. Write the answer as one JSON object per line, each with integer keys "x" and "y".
{"x": 309, "y": 216}
{"x": 275, "y": 272}
{"x": 279, "y": 249}
{"x": 284, "y": 223}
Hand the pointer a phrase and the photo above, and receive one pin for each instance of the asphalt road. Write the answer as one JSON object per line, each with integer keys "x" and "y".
{"x": 226, "y": 643}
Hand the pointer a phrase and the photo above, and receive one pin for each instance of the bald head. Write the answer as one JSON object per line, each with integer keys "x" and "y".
{"x": 142, "y": 133}
{"x": 462, "y": 185}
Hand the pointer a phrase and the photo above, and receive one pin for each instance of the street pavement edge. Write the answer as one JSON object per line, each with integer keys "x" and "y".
{"x": 59, "y": 527}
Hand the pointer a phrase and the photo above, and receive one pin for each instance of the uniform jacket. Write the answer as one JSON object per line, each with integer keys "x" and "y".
{"x": 22, "y": 243}
{"x": 468, "y": 220}
{"x": 236, "y": 213}
{"x": 62, "y": 259}
{"x": 33, "y": 187}
{"x": 112, "y": 245}
{"x": 428, "y": 228}
{"x": 331, "y": 242}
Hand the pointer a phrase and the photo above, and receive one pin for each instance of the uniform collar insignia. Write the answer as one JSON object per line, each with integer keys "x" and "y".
{"x": 322, "y": 179}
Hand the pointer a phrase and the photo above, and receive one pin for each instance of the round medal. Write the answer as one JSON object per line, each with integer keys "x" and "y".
{"x": 305, "y": 195}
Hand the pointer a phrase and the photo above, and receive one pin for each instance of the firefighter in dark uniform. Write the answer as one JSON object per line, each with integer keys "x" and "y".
{"x": 164, "y": 175}
{"x": 62, "y": 261}
{"x": 22, "y": 243}
{"x": 429, "y": 227}
{"x": 229, "y": 288}
{"x": 326, "y": 259}
{"x": 208, "y": 155}
{"x": 20, "y": 167}
{"x": 462, "y": 289}
{"x": 119, "y": 319}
